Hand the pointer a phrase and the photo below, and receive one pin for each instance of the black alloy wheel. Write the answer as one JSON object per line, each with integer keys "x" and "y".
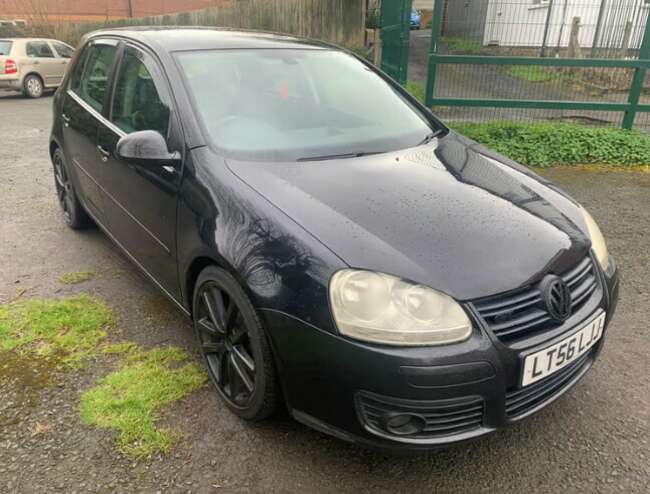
{"x": 73, "y": 213}
{"x": 234, "y": 345}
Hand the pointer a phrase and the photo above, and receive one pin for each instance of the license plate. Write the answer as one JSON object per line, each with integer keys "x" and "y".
{"x": 542, "y": 364}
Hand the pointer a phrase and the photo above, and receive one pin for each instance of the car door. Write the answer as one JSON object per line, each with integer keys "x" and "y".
{"x": 63, "y": 55}
{"x": 141, "y": 204}
{"x": 83, "y": 105}
{"x": 42, "y": 60}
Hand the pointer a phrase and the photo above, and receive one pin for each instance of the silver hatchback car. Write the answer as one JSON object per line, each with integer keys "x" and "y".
{"x": 32, "y": 65}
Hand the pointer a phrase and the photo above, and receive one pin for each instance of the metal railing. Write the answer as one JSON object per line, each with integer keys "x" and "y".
{"x": 630, "y": 107}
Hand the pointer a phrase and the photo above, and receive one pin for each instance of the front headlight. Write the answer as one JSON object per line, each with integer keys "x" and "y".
{"x": 380, "y": 308}
{"x": 597, "y": 240}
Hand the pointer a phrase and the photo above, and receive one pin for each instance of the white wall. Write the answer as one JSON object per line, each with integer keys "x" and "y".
{"x": 522, "y": 22}
{"x": 423, "y": 4}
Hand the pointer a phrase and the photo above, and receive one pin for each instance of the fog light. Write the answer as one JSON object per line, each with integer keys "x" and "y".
{"x": 404, "y": 424}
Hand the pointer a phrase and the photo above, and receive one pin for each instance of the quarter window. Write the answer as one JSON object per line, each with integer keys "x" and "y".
{"x": 94, "y": 79}
{"x": 5, "y": 47}
{"x": 39, "y": 49}
{"x": 63, "y": 50}
{"x": 137, "y": 104}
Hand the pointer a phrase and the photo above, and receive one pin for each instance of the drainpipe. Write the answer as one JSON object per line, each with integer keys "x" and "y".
{"x": 130, "y": 8}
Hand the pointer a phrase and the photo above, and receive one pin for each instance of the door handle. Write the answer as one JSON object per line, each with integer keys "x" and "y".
{"x": 66, "y": 119}
{"x": 105, "y": 154}
{"x": 35, "y": 62}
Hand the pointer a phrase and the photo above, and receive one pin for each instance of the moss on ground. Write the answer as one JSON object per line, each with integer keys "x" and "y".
{"x": 532, "y": 73}
{"x": 76, "y": 277}
{"x": 70, "y": 328}
{"x": 40, "y": 337}
{"x": 129, "y": 399}
{"x": 417, "y": 90}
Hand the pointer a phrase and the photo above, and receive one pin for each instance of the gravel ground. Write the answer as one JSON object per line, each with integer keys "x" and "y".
{"x": 594, "y": 439}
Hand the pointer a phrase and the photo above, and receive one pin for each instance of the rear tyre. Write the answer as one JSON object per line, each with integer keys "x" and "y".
{"x": 33, "y": 86}
{"x": 74, "y": 214}
{"x": 234, "y": 346}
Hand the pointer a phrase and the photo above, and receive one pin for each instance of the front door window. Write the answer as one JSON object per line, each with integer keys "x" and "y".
{"x": 137, "y": 104}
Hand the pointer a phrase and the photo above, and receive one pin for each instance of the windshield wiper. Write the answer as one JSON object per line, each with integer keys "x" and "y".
{"x": 338, "y": 156}
{"x": 431, "y": 137}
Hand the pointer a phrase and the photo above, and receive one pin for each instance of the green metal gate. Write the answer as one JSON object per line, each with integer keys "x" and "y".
{"x": 629, "y": 108}
{"x": 395, "y": 25}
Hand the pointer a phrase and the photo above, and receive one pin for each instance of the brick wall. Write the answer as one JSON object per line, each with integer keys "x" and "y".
{"x": 98, "y": 9}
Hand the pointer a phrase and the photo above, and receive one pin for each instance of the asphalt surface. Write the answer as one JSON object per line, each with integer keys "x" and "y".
{"x": 593, "y": 439}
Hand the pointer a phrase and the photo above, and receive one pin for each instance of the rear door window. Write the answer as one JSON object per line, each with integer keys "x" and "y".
{"x": 93, "y": 83}
{"x": 5, "y": 47}
{"x": 39, "y": 49}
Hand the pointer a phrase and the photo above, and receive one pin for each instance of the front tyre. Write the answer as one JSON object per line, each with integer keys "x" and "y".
{"x": 33, "y": 86}
{"x": 234, "y": 345}
{"x": 73, "y": 213}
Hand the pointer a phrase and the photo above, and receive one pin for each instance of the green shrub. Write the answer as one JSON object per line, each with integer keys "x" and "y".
{"x": 546, "y": 144}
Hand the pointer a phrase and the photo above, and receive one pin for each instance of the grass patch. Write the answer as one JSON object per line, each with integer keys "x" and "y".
{"x": 129, "y": 399}
{"x": 546, "y": 144}
{"x": 71, "y": 328}
{"x": 76, "y": 277}
{"x": 465, "y": 45}
{"x": 532, "y": 73}
{"x": 122, "y": 348}
{"x": 417, "y": 89}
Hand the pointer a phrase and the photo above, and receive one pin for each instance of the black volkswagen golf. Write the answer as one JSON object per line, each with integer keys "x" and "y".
{"x": 339, "y": 250}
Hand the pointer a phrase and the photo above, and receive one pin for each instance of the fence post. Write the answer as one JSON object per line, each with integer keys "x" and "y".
{"x": 638, "y": 80}
{"x": 547, "y": 26}
{"x": 599, "y": 27}
{"x": 575, "y": 51}
{"x": 436, "y": 27}
{"x": 627, "y": 37}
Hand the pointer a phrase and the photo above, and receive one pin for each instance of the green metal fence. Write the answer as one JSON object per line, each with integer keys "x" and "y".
{"x": 393, "y": 17}
{"x": 633, "y": 62}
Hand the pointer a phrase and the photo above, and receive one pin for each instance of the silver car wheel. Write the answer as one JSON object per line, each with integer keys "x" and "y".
{"x": 33, "y": 87}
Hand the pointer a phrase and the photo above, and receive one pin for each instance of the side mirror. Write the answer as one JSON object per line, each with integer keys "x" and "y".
{"x": 145, "y": 147}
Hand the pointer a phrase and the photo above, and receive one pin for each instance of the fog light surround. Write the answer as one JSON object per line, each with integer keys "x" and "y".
{"x": 404, "y": 424}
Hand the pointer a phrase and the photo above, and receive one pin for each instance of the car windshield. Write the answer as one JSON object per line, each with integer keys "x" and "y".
{"x": 287, "y": 105}
{"x": 5, "y": 47}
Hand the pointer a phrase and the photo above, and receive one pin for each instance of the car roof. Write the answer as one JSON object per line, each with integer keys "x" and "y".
{"x": 26, "y": 40}
{"x": 174, "y": 38}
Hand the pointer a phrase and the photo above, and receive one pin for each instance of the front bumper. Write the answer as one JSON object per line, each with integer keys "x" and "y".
{"x": 350, "y": 389}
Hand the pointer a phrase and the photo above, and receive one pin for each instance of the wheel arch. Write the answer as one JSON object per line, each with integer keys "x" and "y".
{"x": 54, "y": 145}
{"x": 191, "y": 275}
{"x": 201, "y": 261}
{"x": 34, "y": 73}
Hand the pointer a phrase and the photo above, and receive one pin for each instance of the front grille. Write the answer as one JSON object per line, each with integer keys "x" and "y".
{"x": 521, "y": 401}
{"x": 521, "y": 313}
{"x": 438, "y": 418}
